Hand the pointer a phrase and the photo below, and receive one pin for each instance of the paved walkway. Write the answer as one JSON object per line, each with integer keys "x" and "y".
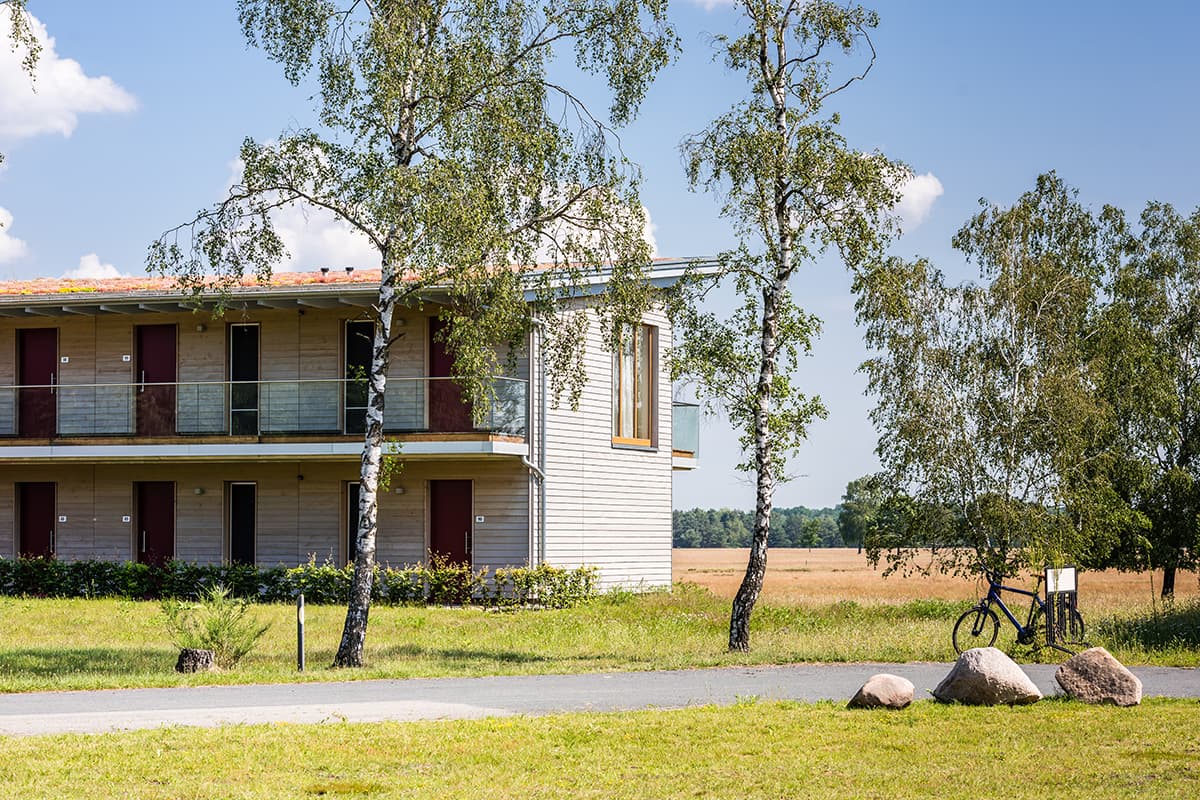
{"x": 467, "y": 698}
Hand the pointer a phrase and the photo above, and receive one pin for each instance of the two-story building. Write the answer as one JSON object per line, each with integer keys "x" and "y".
{"x": 133, "y": 427}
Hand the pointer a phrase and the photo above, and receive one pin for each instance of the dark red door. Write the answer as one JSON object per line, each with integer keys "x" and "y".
{"x": 37, "y": 359}
{"x": 448, "y": 411}
{"x": 35, "y": 519}
{"x": 155, "y": 521}
{"x": 450, "y": 520}
{"x": 156, "y": 365}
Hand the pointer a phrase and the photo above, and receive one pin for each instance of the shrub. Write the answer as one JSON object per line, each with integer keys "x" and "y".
{"x": 450, "y": 583}
{"x": 544, "y": 584}
{"x": 218, "y": 621}
{"x": 440, "y": 582}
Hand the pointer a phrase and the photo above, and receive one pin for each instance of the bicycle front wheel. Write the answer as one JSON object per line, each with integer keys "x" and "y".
{"x": 977, "y": 627}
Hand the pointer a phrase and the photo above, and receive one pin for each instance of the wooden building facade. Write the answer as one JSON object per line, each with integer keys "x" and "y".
{"x": 134, "y": 428}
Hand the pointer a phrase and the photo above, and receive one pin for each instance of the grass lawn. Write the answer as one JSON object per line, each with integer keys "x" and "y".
{"x": 79, "y": 644}
{"x": 1056, "y": 749}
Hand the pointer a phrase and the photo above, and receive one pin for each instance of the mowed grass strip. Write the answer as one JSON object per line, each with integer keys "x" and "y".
{"x": 1054, "y": 749}
{"x": 86, "y": 644}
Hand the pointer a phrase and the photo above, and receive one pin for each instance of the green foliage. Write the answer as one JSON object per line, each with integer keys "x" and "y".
{"x": 450, "y": 583}
{"x": 218, "y": 621}
{"x": 859, "y": 508}
{"x": 444, "y": 140}
{"x": 440, "y": 582}
{"x": 987, "y": 419}
{"x": 790, "y": 527}
{"x": 793, "y": 189}
{"x": 1147, "y": 368}
{"x": 543, "y": 585}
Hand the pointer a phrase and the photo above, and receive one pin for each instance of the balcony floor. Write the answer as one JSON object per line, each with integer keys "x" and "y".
{"x": 254, "y": 448}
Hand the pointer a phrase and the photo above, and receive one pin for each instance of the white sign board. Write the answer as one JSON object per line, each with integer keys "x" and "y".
{"x": 1060, "y": 580}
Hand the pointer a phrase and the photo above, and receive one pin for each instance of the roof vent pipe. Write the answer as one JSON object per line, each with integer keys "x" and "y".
{"x": 324, "y": 272}
{"x": 349, "y": 270}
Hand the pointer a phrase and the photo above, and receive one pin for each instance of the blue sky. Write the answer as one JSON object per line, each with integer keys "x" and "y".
{"x": 141, "y": 107}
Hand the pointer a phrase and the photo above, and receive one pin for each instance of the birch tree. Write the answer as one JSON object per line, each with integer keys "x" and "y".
{"x": 793, "y": 190}
{"x": 991, "y": 436}
{"x": 445, "y": 140}
{"x": 1148, "y": 371}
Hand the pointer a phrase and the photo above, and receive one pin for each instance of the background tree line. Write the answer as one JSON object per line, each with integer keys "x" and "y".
{"x": 728, "y": 527}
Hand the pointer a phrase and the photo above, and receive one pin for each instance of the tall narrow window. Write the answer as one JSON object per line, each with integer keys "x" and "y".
{"x": 243, "y": 502}
{"x": 352, "y": 496}
{"x": 243, "y": 380}
{"x": 633, "y": 387}
{"x": 360, "y": 341}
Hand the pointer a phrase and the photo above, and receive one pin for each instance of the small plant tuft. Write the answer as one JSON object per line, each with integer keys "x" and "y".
{"x": 218, "y": 621}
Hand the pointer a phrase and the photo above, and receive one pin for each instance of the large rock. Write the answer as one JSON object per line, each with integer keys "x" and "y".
{"x": 195, "y": 661}
{"x": 1094, "y": 676}
{"x": 985, "y": 676}
{"x": 883, "y": 691}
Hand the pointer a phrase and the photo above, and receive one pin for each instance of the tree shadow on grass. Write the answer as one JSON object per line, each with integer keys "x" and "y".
{"x": 51, "y": 662}
{"x": 1175, "y": 626}
{"x": 483, "y": 655}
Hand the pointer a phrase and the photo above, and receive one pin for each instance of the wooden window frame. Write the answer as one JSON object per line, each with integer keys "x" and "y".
{"x": 651, "y": 410}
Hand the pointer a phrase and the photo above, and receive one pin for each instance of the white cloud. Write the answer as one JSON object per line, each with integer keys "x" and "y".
{"x": 11, "y": 248}
{"x": 709, "y": 5}
{"x": 315, "y": 238}
{"x": 57, "y": 94}
{"x": 918, "y": 196}
{"x": 91, "y": 268}
{"x": 649, "y": 232}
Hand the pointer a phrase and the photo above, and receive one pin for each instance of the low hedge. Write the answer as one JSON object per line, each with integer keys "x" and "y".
{"x": 440, "y": 582}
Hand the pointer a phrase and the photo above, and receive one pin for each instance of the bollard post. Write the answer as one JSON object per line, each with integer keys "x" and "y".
{"x": 300, "y": 632}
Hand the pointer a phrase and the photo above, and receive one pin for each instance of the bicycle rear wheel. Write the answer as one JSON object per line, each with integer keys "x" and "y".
{"x": 977, "y": 627}
{"x": 1067, "y": 632}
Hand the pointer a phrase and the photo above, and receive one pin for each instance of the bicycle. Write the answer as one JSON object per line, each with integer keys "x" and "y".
{"x": 979, "y": 626}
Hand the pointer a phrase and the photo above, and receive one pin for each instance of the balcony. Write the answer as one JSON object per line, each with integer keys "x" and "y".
{"x": 236, "y": 412}
{"x": 685, "y": 435}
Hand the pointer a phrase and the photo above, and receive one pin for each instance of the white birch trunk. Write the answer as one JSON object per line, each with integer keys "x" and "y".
{"x": 354, "y": 633}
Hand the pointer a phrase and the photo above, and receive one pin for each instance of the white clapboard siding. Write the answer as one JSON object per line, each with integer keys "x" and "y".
{"x": 606, "y": 506}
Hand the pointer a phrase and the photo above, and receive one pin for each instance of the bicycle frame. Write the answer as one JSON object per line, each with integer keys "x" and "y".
{"x": 993, "y": 597}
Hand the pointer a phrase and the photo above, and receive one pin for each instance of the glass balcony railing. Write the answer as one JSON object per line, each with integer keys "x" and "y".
{"x": 685, "y": 428}
{"x": 253, "y": 408}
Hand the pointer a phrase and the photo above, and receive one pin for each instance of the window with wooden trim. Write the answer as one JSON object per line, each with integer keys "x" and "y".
{"x": 633, "y": 387}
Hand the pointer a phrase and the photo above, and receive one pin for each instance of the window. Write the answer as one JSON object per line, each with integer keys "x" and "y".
{"x": 352, "y": 497}
{"x": 359, "y": 346}
{"x": 633, "y": 387}
{"x": 243, "y": 379}
{"x": 243, "y": 501}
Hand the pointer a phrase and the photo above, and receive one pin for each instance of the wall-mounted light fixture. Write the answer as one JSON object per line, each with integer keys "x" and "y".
{"x": 198, "y": 490}
{"x": 398, "y": 490}
{"x": 201, "y": 327}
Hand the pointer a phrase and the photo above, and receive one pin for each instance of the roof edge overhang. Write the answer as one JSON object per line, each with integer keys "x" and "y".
{"x": 332, "y": 294}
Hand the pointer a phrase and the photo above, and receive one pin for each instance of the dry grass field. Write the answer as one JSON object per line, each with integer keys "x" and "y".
{"x": 826, "y": 575}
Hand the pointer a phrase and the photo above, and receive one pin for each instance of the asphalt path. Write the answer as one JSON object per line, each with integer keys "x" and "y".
{"x": 39, "y": 713}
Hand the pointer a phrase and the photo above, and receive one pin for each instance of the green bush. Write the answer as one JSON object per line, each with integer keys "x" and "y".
{"x": 449, "y": 583}
{"x": 440, "y": 582}
{"x": 544, "y": 585}
{"x": 218, "y": 621}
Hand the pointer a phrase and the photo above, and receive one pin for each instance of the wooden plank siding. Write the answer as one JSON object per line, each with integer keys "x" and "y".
{"x": 300, "y": 513}
{"x": 609, "y": 506}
